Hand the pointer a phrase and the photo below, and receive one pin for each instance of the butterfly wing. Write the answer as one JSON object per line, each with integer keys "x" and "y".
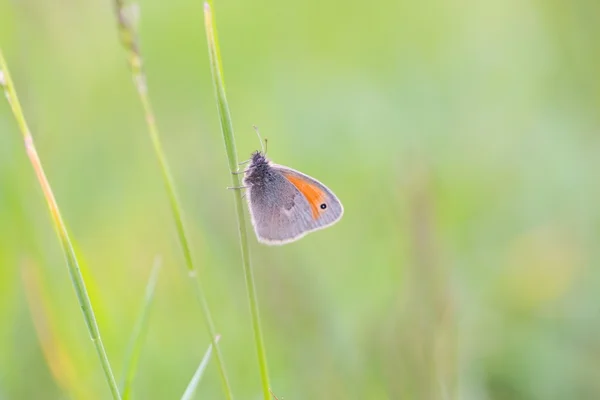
{"x": 291, "y": 205}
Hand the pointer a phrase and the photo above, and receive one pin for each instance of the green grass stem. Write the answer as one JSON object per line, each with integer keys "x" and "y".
{"x": 228, "y": 136}
{"x": 129, "y": 39}
{"x": 72, "y": 263}
{"x": 190, "y": 391}
{"x": 139, "y": 333}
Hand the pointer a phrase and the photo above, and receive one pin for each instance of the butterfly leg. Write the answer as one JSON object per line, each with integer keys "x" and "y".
{"x": 242, "y": 172}
{"x": 244, "y": 162}
{"x": 238, "y": 187}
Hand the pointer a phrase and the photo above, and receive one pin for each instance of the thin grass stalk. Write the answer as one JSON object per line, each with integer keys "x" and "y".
{"x": 190, "y": 390}
{"x": 139, "y": 333}
{"x": 72, "y": 263}
{"x": 60, "y": 357}
{"x": 228, "y": 136}
{"x": 129, "y": 39}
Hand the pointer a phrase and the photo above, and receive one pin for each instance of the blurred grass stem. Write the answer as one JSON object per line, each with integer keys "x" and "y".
{"x": 126, "y": 23}
{"x": 139, "y": 332}
{"x": 190, "y": 390}
{"x": 63, "y": 235}
{"x": 227, "y": 130}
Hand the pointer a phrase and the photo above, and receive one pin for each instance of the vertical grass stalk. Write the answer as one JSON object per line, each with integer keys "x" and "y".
{"x": 129, "y": 39}
{"x": 139, "y": 333}
{"x": 227, "y": 130}
{"x": 70, "y": 256}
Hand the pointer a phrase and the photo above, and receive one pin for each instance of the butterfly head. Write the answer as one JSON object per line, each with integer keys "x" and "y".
{"x": 259, "y": 169}
{"x": 257, "y": 158}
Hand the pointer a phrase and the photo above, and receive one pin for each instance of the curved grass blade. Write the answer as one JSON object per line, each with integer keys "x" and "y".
{"x": 61, "y": 229}
{"x": 129, "y": 40}
{"x": 193, "y": 385}
{"x": 139, "y": 332}
{"x": 227, "y": 130}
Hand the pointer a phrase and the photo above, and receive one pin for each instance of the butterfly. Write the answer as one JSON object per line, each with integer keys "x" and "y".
{"x": 286, "y": 204}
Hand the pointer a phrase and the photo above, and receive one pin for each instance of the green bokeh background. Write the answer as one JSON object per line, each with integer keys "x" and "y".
{"x": 461, "y": 136}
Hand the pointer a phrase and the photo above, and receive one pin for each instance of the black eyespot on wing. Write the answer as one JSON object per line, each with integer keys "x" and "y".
{"x": 323, "y": 206}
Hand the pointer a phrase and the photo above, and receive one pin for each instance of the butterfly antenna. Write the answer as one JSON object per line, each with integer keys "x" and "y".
{"x": 262, "y": 146}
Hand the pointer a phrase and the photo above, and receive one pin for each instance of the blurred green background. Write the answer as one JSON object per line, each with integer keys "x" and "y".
{"x": 461, "y": 136}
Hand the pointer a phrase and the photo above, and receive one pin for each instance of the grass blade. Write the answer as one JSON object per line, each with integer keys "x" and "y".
{"x": 193, "y": 385}
{"x": 227, "y": 130}
{"x": 129, "y": 40}
{"x": 63, "y": 235}
{"x": 139, "y": 332}
{"x": 58, "y": 354}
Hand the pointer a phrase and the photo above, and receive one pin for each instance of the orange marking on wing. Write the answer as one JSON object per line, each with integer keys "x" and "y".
{"x": 312, "y": 192}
